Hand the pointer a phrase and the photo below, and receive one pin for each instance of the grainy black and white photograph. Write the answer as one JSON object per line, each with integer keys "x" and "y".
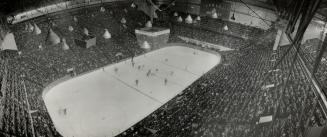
{"x": 163, "y": 68}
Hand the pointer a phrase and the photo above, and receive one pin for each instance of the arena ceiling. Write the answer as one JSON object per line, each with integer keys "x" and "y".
{"x": 10, "y": 6}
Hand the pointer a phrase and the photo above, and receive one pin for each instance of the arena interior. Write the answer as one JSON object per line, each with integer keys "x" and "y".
{"x": 163, "y": 68}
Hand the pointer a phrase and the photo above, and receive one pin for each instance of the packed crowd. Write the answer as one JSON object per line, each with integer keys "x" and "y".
{"x": 15, "y": 118}
{"x": 39, "y": 63}
{"x": 226, "y": 101}
{"x": 310, "y": 50}
{"x": 233, "y": 36}
{"x": 230, "y": 99}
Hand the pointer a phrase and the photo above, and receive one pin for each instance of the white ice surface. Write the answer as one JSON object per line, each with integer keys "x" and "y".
{"x": 104, "y": 103}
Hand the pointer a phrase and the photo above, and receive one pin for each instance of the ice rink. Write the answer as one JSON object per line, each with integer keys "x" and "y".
{"x": 107, "y": 101}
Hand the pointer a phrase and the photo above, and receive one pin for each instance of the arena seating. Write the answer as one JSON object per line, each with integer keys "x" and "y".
{"x": 37, "y": 67}
{"x": 309, "y": 51}
{"x": 14, "y": 111}
{"x": 227, "y": 101}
